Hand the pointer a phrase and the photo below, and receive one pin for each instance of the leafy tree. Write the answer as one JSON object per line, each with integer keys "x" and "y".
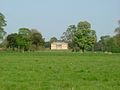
{"x": 48, "y": 44}
{"x": 22, "y": 43}
{"x": 84, "y": 25}
{"x": 98, "y": 46}
{"x": 104, "y": 41}
{"x": 117, "y": 30}
{"x": 109, "y": 44}
{"x": 24, "y": 39}
{"x": 25, "y": 32}
{"x": 11, "y": 39}
{"x": 53, "y": 39}
{"x": 2, "y": 25}
{"x": 112, "y": 45}
{"x": 84, "y": 37}
{"x": 117, "y": 36}
{"x": 69, "y": 35}
{"x": 37, "y": 39}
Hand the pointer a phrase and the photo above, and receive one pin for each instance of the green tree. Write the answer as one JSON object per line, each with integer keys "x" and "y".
{"x": 22, "y": 43}
{"x": 2, "y": 25}
{"x": 68, "y": 35}
{"x": 117, "y": 30}
{"x": 47, "y": 44}
{"x": 53, "y": 39}
{"x": 104, "y": 42}
{"x": 117, "y": 36}
{"x": 107, "y": 43}
{"x": 24, "y": 39}
{"x": 37, "y": 39}
{"x": 11, "y": 41}
{"x": 84, "y": 37}
{"x": 25, "y": 32}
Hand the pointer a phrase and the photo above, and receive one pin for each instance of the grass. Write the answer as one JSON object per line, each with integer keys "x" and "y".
{"x": 59, "y": 71}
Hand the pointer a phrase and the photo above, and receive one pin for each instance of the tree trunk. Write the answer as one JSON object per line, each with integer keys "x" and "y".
{"x": 93, "y": 48}
{"x": 82, "y": 50}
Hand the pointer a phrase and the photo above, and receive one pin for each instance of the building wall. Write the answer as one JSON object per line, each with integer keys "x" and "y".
{"x": 59, "y": 46}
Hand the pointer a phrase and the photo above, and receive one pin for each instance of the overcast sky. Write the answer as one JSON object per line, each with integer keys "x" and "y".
{"x": 52, "y": 17}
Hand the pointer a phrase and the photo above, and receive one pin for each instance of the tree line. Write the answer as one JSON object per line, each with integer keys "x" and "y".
{"x": 79, "y": 37}
{"x": 110, "y": 43}
{"x": 25, "y": 40}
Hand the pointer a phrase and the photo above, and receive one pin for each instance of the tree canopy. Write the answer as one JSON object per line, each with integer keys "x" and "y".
{"x": 2, "y": 25}
{"x": 25, "y": 39}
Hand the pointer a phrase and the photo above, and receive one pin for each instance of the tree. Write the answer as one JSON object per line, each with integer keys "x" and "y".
{"x": 11, "y": 39}
{"x": 48, "y": 44}
{"x": 24, "y": 39}
{"x": 84, "y": 25}
{"x": 104, "y": 42}
{"x": 22, "y": 43}
{"x": 37, "y": 39}
{"x": 2, "y": 25}
{"x": 117, "y": 30}
{"x": 117, "y": 36}
{"x": 53, "y": 39}
{"x": 107, "y": 43}
{"x": 69, "y": 35}
{"x": 84, "y": 37}
{"x": 25, "y": 32}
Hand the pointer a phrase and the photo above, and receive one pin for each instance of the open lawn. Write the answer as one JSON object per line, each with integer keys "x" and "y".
{"x": 59, "y": 71}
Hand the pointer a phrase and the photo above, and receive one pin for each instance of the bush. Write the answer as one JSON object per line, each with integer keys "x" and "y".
{"x": 115, "y": 49}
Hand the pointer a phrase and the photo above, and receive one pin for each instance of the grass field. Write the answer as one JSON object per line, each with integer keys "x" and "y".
{"x": 59, "y": 71}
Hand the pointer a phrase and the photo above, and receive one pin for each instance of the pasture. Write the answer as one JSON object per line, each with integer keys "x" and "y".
{"x": 59, "y": 71}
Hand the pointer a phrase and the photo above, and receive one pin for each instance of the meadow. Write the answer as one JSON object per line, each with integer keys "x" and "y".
{"x": 59, "y": 71}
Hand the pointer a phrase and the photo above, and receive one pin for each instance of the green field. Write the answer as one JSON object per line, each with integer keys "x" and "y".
{"x": 59, "y": 71}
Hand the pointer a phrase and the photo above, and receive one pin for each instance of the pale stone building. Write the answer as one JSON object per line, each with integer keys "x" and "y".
{"x": 59, "y": 46}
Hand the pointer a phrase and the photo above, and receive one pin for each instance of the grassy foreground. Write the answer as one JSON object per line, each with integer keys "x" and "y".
{"x": 59, "y": 71}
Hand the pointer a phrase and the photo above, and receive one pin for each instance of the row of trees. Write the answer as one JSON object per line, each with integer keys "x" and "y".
{"x": 24, "y": 40}
{"x": 108, "y": 43}
{"x": 79, "y": 37}
{"x": 82, "y": 37}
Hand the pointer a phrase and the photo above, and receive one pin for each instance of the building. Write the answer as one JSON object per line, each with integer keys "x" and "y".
{"x": 59, "y": 46}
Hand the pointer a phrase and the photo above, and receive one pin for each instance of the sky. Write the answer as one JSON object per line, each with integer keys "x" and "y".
{"x": 52, "y": 17}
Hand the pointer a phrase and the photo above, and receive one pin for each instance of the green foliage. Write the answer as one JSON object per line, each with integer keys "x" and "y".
{"x": 24, "y": 32}
{"x": 80, "y": 37}
{"x": 25, "y": 40}
{"x": 11, "y": 39}
{"x": 84, "y": 37}
{"x": 110, "y": 44}
{"x": 117, "y": 30}
{"x": 22, "y": 43}
{"x": 117, "y": 37}
{"x": 104, "y": 41}
{"x": 59, "y": 71}
{"x": 53, "y": 39}
{"x": 2, "y": 25}
{"x": 37, "y": 39}
{"x": 69, "y": 35}
{"x": 48, "y": 44}
{"x": 83, "y": 25}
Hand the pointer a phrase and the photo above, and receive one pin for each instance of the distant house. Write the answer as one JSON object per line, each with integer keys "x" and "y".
{"x": 59, "y": 46}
